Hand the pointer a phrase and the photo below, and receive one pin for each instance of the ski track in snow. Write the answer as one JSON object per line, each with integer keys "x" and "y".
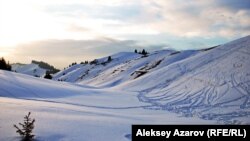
{"x": 203, "y": 102}
{"x": 197, "y": 104}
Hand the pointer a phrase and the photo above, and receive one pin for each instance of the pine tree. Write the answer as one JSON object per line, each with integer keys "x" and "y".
{"x": 2, "y": 63}
{"x": 135, "y": 50}
{"x": 109, "y": 59}
{"x": 27, "y": 128}
{"x": 143, "y": 52}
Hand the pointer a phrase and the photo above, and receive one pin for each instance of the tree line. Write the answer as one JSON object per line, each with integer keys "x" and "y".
{"x": 143, "y": 52}
{"x": 4, "y": 65}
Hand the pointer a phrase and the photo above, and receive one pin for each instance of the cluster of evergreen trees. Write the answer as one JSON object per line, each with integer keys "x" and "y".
{"x": 85, "y": 62}
{"x": 95, "y": 62}
{"x": 4, "y": 65}
{"x": 143, "y": 52}
{"x": 73, "y": 64}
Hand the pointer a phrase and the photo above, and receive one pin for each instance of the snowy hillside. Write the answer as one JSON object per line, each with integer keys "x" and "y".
{"x": 36, "y": 68}
{"x": 89, "y": 71}
{"x": 134, "y": 69}
{"x": 29, "y": 69}
{"x": 209, "y": 86}
{"x": 66, "y": 111}
{"x": 210, "y": 83}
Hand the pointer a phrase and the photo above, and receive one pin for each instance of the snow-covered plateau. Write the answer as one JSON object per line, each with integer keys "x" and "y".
{"x": 102, "y": 99}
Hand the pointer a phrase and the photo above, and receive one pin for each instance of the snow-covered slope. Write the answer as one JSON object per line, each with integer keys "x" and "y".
{"x": 165, "y": 87}
{"x": 124, "y": 67}
{"x": 67, "y": 111}
{"x": 213, "y": 84}
{"x": 210, "y": 83}
{"x": 134, "y": 69}
{"x": 89, "y": 71}
{"x": 29, "y": 69}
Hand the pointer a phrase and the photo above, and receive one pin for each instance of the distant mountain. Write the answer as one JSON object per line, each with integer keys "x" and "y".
{"x": 50, "y": 69}
{"x": 29, "y": 69}
{"x": 36, "y": 68}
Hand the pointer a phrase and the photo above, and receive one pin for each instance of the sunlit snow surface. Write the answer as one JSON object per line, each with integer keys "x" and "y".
{"x": 213, "y": 84}
{"x": 67, "y": 112}
{"x": 29, "y": 69}
{"x": 101, "y": 102}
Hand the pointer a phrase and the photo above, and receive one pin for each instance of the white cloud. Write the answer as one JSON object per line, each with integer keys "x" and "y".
{"x": 28, "y": 21}
{"x": 200, "y": 18}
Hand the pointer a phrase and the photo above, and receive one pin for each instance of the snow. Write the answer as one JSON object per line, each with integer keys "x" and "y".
{"x": 212, "y": 84}
{"x": 124, "y": 71}
{"x": 67, "y": 111}
{"x": 79, "y": 72}
{"x": 101, "y": 101}
{"x": 29, "y": 69}
{"x": 192, "y": 82}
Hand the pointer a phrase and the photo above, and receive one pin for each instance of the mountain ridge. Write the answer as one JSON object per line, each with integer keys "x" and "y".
{"x": 194, "y": 83}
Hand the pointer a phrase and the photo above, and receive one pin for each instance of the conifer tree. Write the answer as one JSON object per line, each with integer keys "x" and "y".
{"x": 143, "y": 52}
{"x": 135, "y": 50}
{"x": 27, "y": 128}
{"x": 109, "y": 59}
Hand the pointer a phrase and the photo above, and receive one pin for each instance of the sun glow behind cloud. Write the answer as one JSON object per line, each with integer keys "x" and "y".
{"x": 19, "y": 22}
{"x": 153, "y": 24}
{"x": 25, "y": 21}
{"x": 22, "y": 22}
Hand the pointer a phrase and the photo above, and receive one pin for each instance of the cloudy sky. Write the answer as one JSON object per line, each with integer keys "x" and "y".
{"x": 63, "y": 31}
